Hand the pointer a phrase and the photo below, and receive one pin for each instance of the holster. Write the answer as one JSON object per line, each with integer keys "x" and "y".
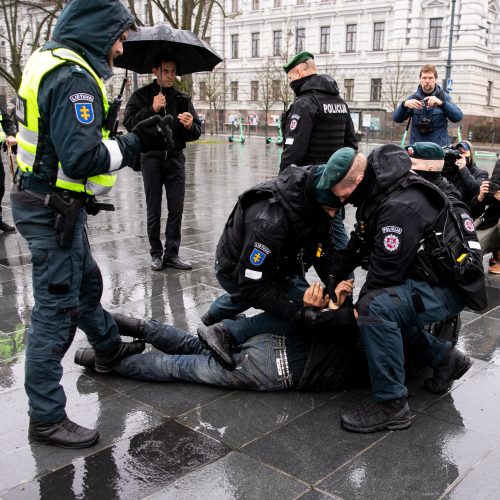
{"x": 67, "y": 213}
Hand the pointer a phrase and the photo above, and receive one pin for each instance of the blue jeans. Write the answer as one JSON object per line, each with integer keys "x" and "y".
{"x": 391, "y": 317}
{"x": 67, "y": 288}
{"x": 183, "y": 358}
{"x": 228, "y": 305}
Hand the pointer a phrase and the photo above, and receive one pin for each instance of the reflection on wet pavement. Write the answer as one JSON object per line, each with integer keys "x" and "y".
{"x": 188, "y": 441}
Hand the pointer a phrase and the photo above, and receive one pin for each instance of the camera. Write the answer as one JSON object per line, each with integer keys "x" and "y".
{"x": 494, "y": 187}
{"x": 425, "y": 126}
{"x": 451, "y": 155}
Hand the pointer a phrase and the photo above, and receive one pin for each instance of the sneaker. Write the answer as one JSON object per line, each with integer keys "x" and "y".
{"x": 156, "y": 264}
{"x": 220, "y": 343}
{"x": 174, "y": 261}
{"x": 65, "y": 434}
{"x": 389, "y": 415}
{"x": 453, "y": 366}
{"x": 5, "y": 227}
{"x": 494, "y": 269}
{"x": 106, "y": 361}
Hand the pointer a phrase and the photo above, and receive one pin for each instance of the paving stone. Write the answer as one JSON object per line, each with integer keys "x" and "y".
{"x": 480, "y": 338}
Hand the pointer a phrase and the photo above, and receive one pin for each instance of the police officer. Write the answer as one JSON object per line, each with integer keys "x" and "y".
{"x": 317, "y": 124}
{"x": 395, "y": 208}
{"x": 8, "y": 139}
{"x": 65, "y": 158}
{"x": 276, "y": 231}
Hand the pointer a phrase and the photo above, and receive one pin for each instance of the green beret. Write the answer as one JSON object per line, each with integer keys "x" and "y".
{"x": 425, "y": 151}
{"x": 333, "y": 172}
{"x": 297, "y": 59}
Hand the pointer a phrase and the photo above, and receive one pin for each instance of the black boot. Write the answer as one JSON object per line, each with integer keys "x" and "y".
{"x": 386, "y": 415}
{"x": 106, "y": 361}
{"x": 5, "y": 227}
{"x": 128, "y": 326}
{"x": 453, "y": 365}
{"x": 208, "y": 320}
{"x": 65, "y": 434}
{"x": 220, "y": 343}
{"x": 85, "y": 356}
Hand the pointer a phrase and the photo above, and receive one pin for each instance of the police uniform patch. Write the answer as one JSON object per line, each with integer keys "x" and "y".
{"x": 468, "y": 224}
{"x": 392, "y": 242}
{"x": 293, "y": 124}
{"x": 84, "y": 112}
{"x": 259, "y": 253}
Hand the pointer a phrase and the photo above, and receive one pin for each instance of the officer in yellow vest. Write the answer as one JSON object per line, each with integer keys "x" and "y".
{"x": 66, "y": 157}
{"x": 7, "y": 137}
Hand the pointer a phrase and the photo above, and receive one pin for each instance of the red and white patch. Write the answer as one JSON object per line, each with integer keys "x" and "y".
{"x": 469, "y": 225}
{"x": 293, "y": 124}
{"x": 392, "y": 243}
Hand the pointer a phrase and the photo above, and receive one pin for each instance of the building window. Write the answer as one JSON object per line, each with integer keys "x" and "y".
{"x": 203, "y": 91}
{"x": 324, "y": 39}
{"x": 254, "y": 90}
{"x": 3, "y": 57}
{"x": 376, "y": 90}
{"x": 277, "y": 38}
{"x": 349, "y": 90}
{"x": 277, "y": 3}
{"x": 300, "y": 2}
{"x": 234, "y": 91}
{"x": 350, "y": 38}
{"x": 378, "y": 36}
{"x": 276, "y": 90}
{"x": 435, "y": 28}
{"x": 255, "y": 4}
{"x": 489, "y": 93}
{"x": 234, "y": 5}
{"x": 300, "y": 39}
{"x": 234, "y": 46}
{"x": 255, "y": 44}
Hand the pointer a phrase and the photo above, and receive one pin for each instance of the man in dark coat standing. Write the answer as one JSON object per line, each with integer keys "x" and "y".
{"x": 9, "y": 129}
{"x": 158, "y": 168}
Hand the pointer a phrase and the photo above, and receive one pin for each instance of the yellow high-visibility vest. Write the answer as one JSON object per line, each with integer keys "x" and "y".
{"x": 40, "y": 64}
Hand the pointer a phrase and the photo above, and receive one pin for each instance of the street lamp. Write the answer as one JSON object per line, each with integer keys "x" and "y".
{"x": 450, "y": 46}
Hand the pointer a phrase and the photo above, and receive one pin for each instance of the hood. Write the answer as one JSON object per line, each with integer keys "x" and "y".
{"x": 322, "y": 83}
{"x": 420, "y": 93}
{"x": 297, "y": 195}
{"x": 91, "y": 27}
{"x": 388, "y": 163}
{"x": 471, "y": 148}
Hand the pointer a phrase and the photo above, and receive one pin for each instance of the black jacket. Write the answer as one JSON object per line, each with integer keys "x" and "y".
{"x": 488, "y": 211}
{"x": 140, "y": 107}
{"x": 317, "y": 124}
{"x": 7, "y": 124}
{"x": 273, "y": 233}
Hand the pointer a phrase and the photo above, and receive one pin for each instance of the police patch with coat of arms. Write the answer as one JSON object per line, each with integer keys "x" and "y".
{"x": 392, "y": 239}
{"x": 84, "y": 108}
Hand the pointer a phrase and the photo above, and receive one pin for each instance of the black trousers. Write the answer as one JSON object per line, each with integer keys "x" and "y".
{"x": 2, "y": 185}
{"x": 171, "y": 174}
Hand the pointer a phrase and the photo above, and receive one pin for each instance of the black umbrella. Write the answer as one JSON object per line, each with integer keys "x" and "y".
{"x": 144, "y": 46}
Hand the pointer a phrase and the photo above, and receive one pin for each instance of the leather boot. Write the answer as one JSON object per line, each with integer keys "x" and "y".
{"x": 453, "y": 366}
{"x": 6, "y": 227}
{"x": 106, "y": 361}
{"x": 128, "y": 326}
{"x": 85, "y": 356}
{"x": 220, "y": 343}
{"x": 65, "y": 434}
{"x": 208, "y": 320}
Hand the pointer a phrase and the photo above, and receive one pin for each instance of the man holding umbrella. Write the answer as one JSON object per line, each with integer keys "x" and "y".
{"x": 159, "y": 168}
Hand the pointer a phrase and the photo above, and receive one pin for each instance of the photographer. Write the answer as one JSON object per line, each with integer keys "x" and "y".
{"x": 429, "y": 110}
{"x": 461, "y": 170}
{"x": 485, "y": 207}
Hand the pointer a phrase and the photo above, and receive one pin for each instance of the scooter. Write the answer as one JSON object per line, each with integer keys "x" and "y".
{"x": 278, "y": 140}
{"x": 241, "y": 138}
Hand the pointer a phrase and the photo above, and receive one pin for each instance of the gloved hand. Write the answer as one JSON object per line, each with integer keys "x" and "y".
{"x": 155, "y": 133}
{"x": 313, "y": 317}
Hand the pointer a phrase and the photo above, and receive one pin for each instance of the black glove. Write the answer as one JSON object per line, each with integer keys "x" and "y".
{"x": 13, "y": 148}
{"x": 155, "y": 133}
{"x": 314, "y": 317}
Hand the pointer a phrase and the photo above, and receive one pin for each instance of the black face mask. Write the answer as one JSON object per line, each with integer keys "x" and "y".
{"x": 361, "y": 193}
{"x": 297, "y": 84}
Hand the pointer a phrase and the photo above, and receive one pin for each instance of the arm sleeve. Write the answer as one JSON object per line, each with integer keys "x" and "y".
{"x": 477, "y": 207}
{"x": 397, "y": 238}
{"x": 297, "y": 130}
{"x": 8, "y": 125}
{"x": 258, "y": 270}
{"x": 401, "y": 113}
{"x": 195, "y": 131}
{"x": 79, "y": 146}
{"x": 137, "y": 109}
{"x": 471, "y": 182}
{"x": 350, "y": 135}
{"x": 451, "y": 110}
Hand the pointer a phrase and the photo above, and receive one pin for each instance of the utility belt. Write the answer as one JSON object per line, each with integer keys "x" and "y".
{"x": 284, "y": 373}
{"x": 67, "y": 205}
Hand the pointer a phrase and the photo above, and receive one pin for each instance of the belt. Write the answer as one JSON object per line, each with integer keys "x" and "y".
{"x": 282, "y": 363}
{"x": 31, "y": 183}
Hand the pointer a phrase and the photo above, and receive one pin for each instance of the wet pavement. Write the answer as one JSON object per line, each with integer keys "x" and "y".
{"x": 190, "y": 441}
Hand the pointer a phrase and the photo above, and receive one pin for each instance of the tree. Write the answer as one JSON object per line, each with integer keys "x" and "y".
{"x": 214, "y": 90}
{"x": 26, "y": 25}
{"x": 269, "y": 91}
